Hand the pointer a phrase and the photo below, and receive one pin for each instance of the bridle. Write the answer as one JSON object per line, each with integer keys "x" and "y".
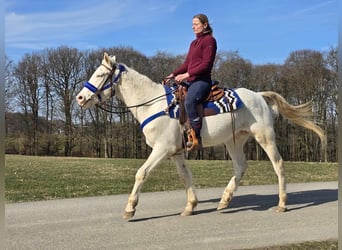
{"x": 108, "y": 83}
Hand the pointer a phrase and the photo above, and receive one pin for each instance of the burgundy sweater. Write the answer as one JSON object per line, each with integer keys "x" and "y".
{"x": 200, "y": 59}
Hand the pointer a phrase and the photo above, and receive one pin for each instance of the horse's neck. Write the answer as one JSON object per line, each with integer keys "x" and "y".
{"x": 135, "y": 89}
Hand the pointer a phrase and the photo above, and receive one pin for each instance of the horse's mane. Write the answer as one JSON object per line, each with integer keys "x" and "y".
{"x": 137, "y": 79}
{"x": 133, "y": 80}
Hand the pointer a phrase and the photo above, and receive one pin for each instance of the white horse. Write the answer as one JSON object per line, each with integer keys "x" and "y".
{"x": 164, "y": 135}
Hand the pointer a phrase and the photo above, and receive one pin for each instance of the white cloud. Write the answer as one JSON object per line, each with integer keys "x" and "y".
{"x": 50, "y": 28}
{"x": 21, "y": 28}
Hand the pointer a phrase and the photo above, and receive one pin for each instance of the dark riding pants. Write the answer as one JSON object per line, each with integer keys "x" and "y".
{"x": 198, "y": 91}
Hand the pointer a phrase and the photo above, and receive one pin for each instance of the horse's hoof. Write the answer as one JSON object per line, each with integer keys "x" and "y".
{"x": 281, "y": 209}
{"x": 187, "y": 213}
{"x": 128, "y": 215}
{"x": 222, "y": 206}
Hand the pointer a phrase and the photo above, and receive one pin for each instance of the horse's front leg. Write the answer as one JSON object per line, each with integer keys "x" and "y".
{"x": 186, "y": 177}
{"x": 143, "y": 172}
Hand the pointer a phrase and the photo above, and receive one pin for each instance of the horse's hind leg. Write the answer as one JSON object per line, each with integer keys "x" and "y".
{"x": 239, "y": 162}
{"x": 154, "y": 158}
{"x": 186, "y": 178}
{"x": 265, "y": 136}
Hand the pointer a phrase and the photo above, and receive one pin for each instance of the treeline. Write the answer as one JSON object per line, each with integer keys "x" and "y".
{"x": 42, "y": 117}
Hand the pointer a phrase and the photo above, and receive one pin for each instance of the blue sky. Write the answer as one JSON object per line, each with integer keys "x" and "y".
{"x": 262, "y": 31}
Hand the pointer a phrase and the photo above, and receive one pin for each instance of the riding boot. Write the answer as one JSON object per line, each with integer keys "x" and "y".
{"x": 194, "y": 141}
{"x": 194, "y": 136}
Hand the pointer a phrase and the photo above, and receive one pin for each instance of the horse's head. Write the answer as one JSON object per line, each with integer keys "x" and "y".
{"x": 99, "y": 88}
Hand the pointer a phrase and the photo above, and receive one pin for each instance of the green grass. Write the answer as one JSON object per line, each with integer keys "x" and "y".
{"x": 30, "y": 178}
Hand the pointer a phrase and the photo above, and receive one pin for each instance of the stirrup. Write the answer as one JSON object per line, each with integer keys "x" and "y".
{"x": 193, "y": 142}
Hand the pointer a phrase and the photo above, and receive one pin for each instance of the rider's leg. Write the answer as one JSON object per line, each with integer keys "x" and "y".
{"x": 197, "y": 93}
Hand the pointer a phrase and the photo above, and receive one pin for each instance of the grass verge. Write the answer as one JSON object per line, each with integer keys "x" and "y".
{"x": 31, "y": 178}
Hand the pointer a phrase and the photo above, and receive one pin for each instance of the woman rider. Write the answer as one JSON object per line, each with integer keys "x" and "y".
{"x": 195, "y": 72}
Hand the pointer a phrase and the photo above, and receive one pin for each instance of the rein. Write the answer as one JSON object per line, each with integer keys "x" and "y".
{"x": 134, "y": 106}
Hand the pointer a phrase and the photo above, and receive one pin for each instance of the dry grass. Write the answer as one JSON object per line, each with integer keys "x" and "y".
{"x": 30, "y": 178}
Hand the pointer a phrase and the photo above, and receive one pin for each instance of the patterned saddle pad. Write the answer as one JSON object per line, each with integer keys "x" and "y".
{"x": 228, "y": 103}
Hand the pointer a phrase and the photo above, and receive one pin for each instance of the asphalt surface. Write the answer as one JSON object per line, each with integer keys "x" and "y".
{"x": 249, "y": 222}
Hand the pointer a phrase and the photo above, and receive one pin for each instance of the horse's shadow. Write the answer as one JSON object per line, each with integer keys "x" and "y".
{"x": 259, "y": 202}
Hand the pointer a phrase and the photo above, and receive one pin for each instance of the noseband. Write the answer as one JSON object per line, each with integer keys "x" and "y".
{"x": 105, "y": 86}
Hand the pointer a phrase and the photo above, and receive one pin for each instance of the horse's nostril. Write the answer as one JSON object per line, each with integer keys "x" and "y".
{"x": 80, "y": 97}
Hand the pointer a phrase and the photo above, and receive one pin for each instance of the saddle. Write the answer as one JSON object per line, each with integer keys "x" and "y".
{"x": 216, "y": 93}
{"x": 219, "y": 101}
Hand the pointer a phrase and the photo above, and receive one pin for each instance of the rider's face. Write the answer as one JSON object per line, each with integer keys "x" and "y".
{"x": 197, "y": 26}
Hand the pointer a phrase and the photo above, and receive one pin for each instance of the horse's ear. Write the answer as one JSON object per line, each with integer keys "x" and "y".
{"x": 106, "y": 57}
{"x": 111, "y": 60}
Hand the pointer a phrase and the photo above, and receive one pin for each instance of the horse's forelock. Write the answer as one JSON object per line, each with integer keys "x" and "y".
{"x": 112, "y": 60}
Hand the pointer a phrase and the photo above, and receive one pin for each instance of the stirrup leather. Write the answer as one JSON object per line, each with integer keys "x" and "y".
{"x": 193, "y": 143}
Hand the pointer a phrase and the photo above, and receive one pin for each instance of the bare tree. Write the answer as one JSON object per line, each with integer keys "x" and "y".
{"x": 266, "y": 77}
{"x": 232, "y": 70}
{"x": 331, "y": 102}
{"x": 307, "y": 77}
{"x": 28, "y": 78}
{"x": 162, "y": 64}
{"x": 64, "y": 69}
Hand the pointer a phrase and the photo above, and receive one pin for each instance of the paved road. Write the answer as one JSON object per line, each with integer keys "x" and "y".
{"x": 250, "y": 221}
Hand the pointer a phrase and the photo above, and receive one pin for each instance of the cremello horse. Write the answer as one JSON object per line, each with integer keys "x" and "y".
{"x": 163, "y": 134}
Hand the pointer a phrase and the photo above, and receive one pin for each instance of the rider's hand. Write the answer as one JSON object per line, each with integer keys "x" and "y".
{"x": 168, "y": 78}
{"x": 182, "y": 77}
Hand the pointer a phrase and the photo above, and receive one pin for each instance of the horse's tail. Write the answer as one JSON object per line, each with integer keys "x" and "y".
{"x": 300, "y": 115}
